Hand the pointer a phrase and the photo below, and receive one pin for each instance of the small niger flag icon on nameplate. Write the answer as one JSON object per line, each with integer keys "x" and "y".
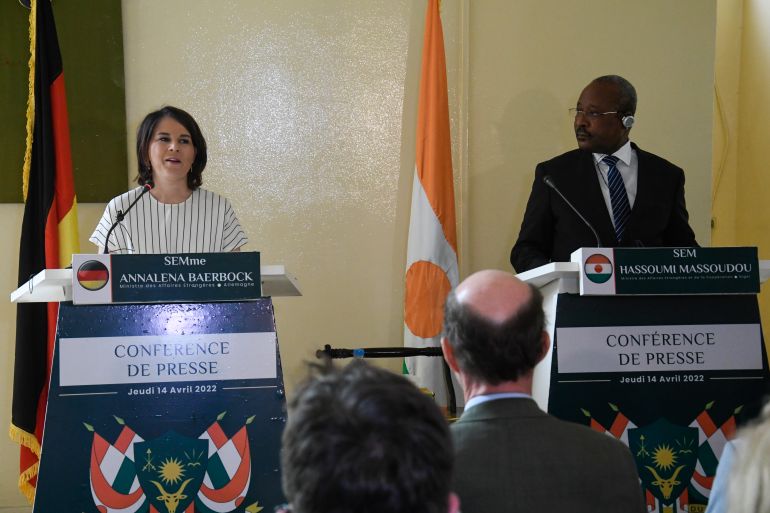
{"x": 598, "y": 268}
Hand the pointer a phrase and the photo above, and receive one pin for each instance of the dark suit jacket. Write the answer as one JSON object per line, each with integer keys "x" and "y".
{"x": 550, "y": 230}
{"x": 512, "y": 457}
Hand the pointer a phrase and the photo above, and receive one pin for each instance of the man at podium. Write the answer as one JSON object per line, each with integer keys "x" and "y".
{"x": 608, "y": 192}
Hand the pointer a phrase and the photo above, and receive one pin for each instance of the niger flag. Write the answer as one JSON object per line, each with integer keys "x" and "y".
{"x": 431, "y": 257}
{"x": 48, "y": 236}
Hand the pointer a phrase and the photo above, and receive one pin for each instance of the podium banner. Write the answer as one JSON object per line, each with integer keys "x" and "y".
{"x": 165, "y": 408}
{"x": 669, "y": 377}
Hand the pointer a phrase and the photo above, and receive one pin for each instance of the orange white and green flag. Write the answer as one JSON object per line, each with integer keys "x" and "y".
{"x": 431, "y": 258}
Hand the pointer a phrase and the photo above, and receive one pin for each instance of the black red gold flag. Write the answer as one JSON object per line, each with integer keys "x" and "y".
{"x": 48, "y": 236}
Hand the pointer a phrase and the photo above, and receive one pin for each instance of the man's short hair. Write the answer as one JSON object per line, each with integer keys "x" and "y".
{"x": 495, "y": 352}
{"x": 627, "y": 92}
{"x": 365, "y": 439}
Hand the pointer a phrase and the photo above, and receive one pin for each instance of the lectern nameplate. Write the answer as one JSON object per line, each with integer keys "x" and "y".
{"x": 104, "y": 279}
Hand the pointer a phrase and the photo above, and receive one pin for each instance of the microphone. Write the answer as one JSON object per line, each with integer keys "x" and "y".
{"x": 121, "y": 215}
{"x": 549, "y": 182}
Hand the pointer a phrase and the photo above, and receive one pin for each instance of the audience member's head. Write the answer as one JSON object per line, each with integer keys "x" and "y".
{"x": 493, "y": 328}
{"x": 362, "y": 439}
{"x": 749, "y": 478}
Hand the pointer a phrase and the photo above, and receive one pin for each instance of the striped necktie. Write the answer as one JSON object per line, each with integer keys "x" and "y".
{"x": 621, "y": 209}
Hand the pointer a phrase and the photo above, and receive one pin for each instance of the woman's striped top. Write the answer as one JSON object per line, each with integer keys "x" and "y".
{"x": 204, "y": 223}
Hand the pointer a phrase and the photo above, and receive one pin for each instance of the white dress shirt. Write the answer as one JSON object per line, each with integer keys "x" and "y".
{"x": 478, "y": 399}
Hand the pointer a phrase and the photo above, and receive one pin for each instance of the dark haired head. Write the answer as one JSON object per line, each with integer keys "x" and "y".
{"x": 365, "y": 439}
{"x": 144, "y": 138}
{"x": 627, "y": 103}
{"x": 492, "y": 352}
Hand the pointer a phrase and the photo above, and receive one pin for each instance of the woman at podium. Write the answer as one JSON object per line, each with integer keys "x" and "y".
{"x": 169, "y": 212}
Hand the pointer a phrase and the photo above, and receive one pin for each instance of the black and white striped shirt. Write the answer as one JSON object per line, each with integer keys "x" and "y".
{"x": 204, "y": 223}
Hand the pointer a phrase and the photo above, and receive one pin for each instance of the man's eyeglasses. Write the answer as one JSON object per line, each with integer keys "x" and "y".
{"x": 575, "y": 112}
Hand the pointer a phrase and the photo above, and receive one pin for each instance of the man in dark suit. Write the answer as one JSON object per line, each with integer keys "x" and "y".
{"x": 510, "y": 455}
{"x": 638, "y": 203}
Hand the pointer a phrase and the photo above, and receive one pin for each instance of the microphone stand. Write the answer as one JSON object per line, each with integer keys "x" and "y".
{"x": 121, "y": 215}
{"x": 396, "y": 352}
{"x": 549, "y": 182}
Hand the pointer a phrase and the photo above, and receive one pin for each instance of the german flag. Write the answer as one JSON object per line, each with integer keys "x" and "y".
{"x": 93, "y": 275}
{"x": 48, "y": 238}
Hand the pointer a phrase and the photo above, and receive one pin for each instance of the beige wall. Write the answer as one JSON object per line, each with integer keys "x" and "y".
{"x": 727, "y": 74}
{"x": 754, "y": 126}
{"x": 309, "y": 110}
{"x": 753, "y": 178}
{"x": 741, "y": 178}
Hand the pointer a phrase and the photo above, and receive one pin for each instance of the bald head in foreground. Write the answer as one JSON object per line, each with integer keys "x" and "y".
{"x": 510, "y": 455}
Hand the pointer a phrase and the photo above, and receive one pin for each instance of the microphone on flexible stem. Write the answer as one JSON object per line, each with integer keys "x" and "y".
{"x": 549, "y": 182}
{"x": 121, "y": 215}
